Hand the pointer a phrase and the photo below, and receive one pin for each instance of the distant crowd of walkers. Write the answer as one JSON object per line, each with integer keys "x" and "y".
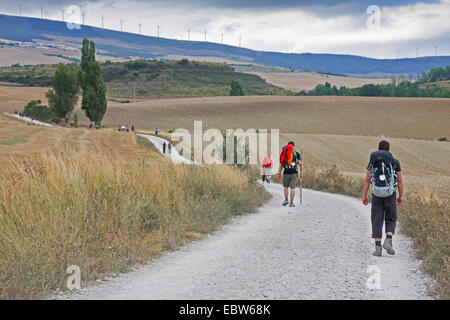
{"x": 126, "y": 128}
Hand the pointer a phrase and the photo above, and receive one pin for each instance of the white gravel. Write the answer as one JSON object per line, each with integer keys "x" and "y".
{"x": 320, "y": 250}
{"x": 158, "y": 143}
{"x": 35, "y": 122}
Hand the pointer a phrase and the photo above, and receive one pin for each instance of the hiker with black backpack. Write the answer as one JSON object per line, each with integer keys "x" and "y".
{"x": 289, "y": 160}
{"x": 384, "y": 175}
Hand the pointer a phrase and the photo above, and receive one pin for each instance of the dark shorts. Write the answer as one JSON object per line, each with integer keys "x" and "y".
{"x": 290, "y": 180}
{"x": 384, "y": 211}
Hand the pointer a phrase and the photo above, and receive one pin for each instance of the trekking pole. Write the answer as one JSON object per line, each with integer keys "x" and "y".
{"x": 301, "y": 184}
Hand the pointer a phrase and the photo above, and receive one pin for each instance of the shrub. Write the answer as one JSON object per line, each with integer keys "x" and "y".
{"x": 39, "y": 112}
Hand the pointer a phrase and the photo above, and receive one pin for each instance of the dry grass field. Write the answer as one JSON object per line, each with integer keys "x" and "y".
{"x": 15, "y": 97}
{"x": 34, "y": 56}
{"x": 411, "y": 118}
{"x": 297, "y": 81}
{"x": 21, "y": 139}
{"x": 97, "y": 199}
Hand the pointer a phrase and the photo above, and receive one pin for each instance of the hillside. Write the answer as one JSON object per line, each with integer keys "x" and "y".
{"x": 123, "y": 44}
{"x": 152, "y": 78}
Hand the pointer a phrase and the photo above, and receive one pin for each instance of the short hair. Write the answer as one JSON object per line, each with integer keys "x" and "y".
{"x": 384, "y": 145}
{"x": 291, "y": 142}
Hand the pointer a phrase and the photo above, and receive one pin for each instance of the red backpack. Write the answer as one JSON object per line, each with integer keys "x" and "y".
{"x": 287, "y": 154}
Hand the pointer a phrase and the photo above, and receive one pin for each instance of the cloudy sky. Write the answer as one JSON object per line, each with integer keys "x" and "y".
{"x": 405, "y": 28}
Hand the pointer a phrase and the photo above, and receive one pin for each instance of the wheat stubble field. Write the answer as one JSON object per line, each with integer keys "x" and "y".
{"x": 298, "y": 81}
{"x": 411, "y": 118}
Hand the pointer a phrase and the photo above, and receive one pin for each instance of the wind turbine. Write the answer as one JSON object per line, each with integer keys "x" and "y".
{"x": 240, "y": 41}
{"x": 20, "y": 10}
{"x": 140, "y": 27}
{"x": 222, "y": 39}
{"x": 157, "y": 27}
{"x": 42, "y": 12}
{"x": 83, "y": 14}
{"x": 205, "y": 35}
{"x": 189, "y": 35}
{"x": 62, "y": 11}
{"x": 103, "y": 19}
{"x": 121, "y": 24}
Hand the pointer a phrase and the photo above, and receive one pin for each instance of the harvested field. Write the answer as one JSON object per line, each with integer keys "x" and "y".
{"x": 297, "y": 81}
{"x": 411, "y": 118}
{"x": 15, "y": 98}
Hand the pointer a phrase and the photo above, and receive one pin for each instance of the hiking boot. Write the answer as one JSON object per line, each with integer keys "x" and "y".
{"x": 377, "y": 251}
{"x": 291, "y": 205}
{"x": 387, "y": 245}
{"x": 285, "y": 203}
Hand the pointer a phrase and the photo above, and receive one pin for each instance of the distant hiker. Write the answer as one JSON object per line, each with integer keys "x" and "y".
{"x": 128, "y": 128}
{"x": 156, "y": 131}
{"x": 384, "y": 174}
{"x": 132, "y": 128}
{"x": 169, "y": 146}
{"x": 164, "y": 147}
{"x": 289, "y": 160}
{"x": 97, "y": 126}
{"x": 266, "y": 170}
{"x": 90, "y": 125}
{"x": 123, "y": 128}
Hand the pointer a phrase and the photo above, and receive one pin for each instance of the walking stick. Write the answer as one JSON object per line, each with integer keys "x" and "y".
{"x": 301, "y": 184}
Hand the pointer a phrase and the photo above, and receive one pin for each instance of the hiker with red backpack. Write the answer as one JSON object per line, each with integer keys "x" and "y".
{"x": 384, "y": 175}
{"x": 266, "y": 170}
{"x": 290, "y": 159}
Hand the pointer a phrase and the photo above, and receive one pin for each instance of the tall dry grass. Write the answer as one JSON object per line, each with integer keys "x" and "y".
{"x": 104, "y": 214}
{"x": 425, "y": 217}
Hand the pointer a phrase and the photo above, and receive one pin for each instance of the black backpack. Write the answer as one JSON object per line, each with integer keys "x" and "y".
{"x": 383, "y": 175}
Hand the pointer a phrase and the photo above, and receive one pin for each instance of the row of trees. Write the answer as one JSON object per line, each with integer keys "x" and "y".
{"x": 435, "y": 74}
{"x": 67, "y": 82}
{"x": 404, "y": 88}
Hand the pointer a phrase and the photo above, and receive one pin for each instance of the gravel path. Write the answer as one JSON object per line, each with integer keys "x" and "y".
{"x": 35, "y": 122}
{"x": 320, "y": 250}
{"x": 158, "y": 143}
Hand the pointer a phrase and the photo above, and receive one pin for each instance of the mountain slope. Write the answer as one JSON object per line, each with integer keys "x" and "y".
{"x": 129, "y": 44}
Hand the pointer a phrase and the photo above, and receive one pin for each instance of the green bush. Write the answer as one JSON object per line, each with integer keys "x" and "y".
{"x": 39, "y": 112}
